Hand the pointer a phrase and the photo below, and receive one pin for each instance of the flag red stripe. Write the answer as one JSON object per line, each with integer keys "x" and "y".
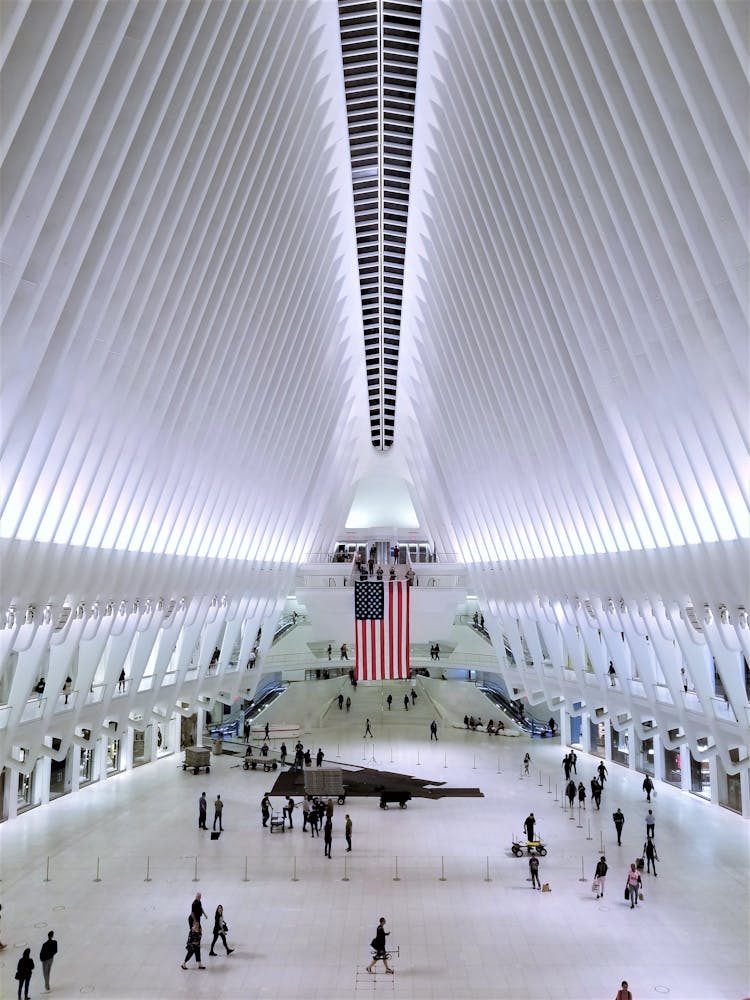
{"x": 382, "y": 645}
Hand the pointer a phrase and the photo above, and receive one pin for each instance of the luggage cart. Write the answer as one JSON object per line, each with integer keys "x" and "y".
{"x": 530, "y": 846}
{"x": 197, "y": 759}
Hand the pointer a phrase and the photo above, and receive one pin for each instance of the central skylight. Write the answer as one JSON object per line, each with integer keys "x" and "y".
{"x": 380, "y": 49}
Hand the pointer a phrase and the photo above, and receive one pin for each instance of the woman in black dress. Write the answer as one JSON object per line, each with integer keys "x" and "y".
{"x": 220, "y": 931}
{"x": 23, "y": 972}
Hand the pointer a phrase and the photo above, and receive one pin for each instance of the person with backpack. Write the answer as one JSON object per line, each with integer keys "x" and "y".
{"x": 534, "y": 870}
{"x": 378, "y": 945}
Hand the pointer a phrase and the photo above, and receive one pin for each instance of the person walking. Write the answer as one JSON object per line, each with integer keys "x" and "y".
{"x": 602, "y": 772}
{"x": 315, "y": 819}
{"x": 344, "y": 651}
{"x": 611, "y": 673}
{"x": 378, "y": 944}
{"x": 282, "y": 754}
{"x": 265, "y": 809}
{"x": 220, "y": 931}
{"x": 341, "y": 702}
{"x": 648, "y": 787}
{"x": 526, "y": 762}
{"x": 596, "y": 792}
{"x": 246, "y": 730}
{"x": 368, "y": 730}
{"x": 581, "y": 795}
{"x": 650, "y": 824}
{"x": 649, "y": 853}
{"x": 319, "y": 757}
{"x": 218, "y": 810}
{"x": 433, "y": 731}
{"x": 46, "y": 956}
{"x": 552, "y": 726}
{"x": 389, "y": 701}
{"x": 624, "y": 993}
{"x": 202, "y": 807}
{"x": 288, "y": 810}
{"x": 23, "y": 972}
{"x": 266, "y": 732}
{"x": 619, "y": 820}
{"x": 534, "y": 870}
{"x": 414, "y": 696}
{"x": 570, "y": 791}
{"x": 406, "y": 702}
{"x": 600, "y": 875}
{"x": 566, "y": 766}
{"x": 196, "y": 909}
{"x": 574, "y": 761}
{"x": 327, "y": 836}
{"x": 329, "y": 651}
{"x": 305, "y": 813}
{"x": 528, "y": 825}
{"x": 193, "y": 946}
{"x": 633, "y": 885}
{"x": 348, "y": 704}
{"x": 348, "y": 832}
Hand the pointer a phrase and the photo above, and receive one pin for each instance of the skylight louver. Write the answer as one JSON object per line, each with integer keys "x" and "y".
{"x": 380, "y": 50}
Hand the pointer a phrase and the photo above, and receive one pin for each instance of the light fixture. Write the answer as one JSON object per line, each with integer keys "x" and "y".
{"x": 742, "y": 617}
{"x": 10, "y": 617}
{"x": 80, "y": 610}
{"x": 708, "y": 616}
{"x": 160, "y": 604}
{"x": 95, "y": 610}
{"x": 611, "y": 605}
{"x": 30, "y": 612}
{"x": 47, "y": 614}
{"x": 723, "y": 614}
{"x": 110, "y": 608}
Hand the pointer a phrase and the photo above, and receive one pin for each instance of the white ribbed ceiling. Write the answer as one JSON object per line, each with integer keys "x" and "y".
{"x": 578, "y": 282}
{"x": 183, "y": 363}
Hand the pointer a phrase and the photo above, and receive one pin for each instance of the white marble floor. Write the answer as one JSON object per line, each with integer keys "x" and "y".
{"x": 122, "y": 938}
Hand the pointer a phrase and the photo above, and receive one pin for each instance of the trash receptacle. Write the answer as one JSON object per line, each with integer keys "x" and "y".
{"x": 217, "y": 746}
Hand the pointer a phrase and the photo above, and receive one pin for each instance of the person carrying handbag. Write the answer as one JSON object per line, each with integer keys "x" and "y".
{"x": 600, "y": 874}
{"x": 633, "y": 885}
{"x": 220, "y": 931}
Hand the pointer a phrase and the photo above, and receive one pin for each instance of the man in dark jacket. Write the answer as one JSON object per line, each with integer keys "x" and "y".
{"x": 619, "y": 823}
{"x": 378, "y": 944}
{"x": 48, "y": 952}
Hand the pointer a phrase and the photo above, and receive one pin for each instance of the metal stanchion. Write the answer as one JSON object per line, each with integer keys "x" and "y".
{"x": 148, "y": 869}
{"x": 245, "y": 879}
{"x": 487, "y": 876}
{"x": 46, "y": 877}
{"x": 391, "y": 755}
{"x": 294, "y": 875}
{"x": 572, "y": 816}
{"x": 520, "y": 773}
{"x": 579, "y": 824}
{"x": 442, "y": 870}
{"x": 97, "y": 879}
{"x": 555, "y": 791}
{"x": 195, "y": 874}
{"x": 549, "y": 785}
{"x": 498, "y": 766}
{"x": 475, "y": 763}
{"x": 338, "y": 751}
{"x": 395, "y": 877}
{"x": 346, "y": 877}
{"x": 445, "y": 760}
{"x": 419, "y": 763}
{"x": 583, "y": 877}
{"x": 540, "y": 779}
{"x": 588, "y": 821}
{"x": 601, "y": 842}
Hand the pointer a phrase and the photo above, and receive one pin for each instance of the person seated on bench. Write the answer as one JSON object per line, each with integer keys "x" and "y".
{"x": 264, "y": 750}
{"x": 500, "y": 725}
{"x": 479, "y": 723}
{"x": 466, "y": 721}
{"x": 490, "y": 728}
{"x": 472, "y": 722}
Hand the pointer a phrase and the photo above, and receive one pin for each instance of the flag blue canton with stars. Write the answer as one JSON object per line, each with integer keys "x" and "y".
{"x": 369, "y": 601}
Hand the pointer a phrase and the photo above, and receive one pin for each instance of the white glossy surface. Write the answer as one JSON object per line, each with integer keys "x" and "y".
{"x": 463, "y": 938}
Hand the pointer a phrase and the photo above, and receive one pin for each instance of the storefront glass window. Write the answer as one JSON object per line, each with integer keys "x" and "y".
{"x": 620, "y": 749}
{"x": 700, "y": 777}
{"x": 672, "y": 767}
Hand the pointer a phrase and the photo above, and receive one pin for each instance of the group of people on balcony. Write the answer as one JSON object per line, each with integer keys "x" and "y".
{"x": 369, "y": 570}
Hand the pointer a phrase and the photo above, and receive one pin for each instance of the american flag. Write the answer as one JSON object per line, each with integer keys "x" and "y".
{"x": 381, "y": 611}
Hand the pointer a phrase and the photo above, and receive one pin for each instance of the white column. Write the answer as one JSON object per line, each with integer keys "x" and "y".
{"x": 41, "y": 781}
{"x": 152, "y": 731}
{"x": 607, "y": 738}
{"x": 75, "y": 768}
{"x": 631, "y": 747}
{"x": 126, "y": 749}
{"x": 10, "y": 794}
{"x": 713, "y": 766}
{"x": 100, "y": 758}
{"x": 685, "y": 767}
{"x": 200, "y": 722}
{"x": 586, "y": 732}
{"x": 564, "y": 726}
{"x": 745, "y": 792}
{"x": 658, "y": 759}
